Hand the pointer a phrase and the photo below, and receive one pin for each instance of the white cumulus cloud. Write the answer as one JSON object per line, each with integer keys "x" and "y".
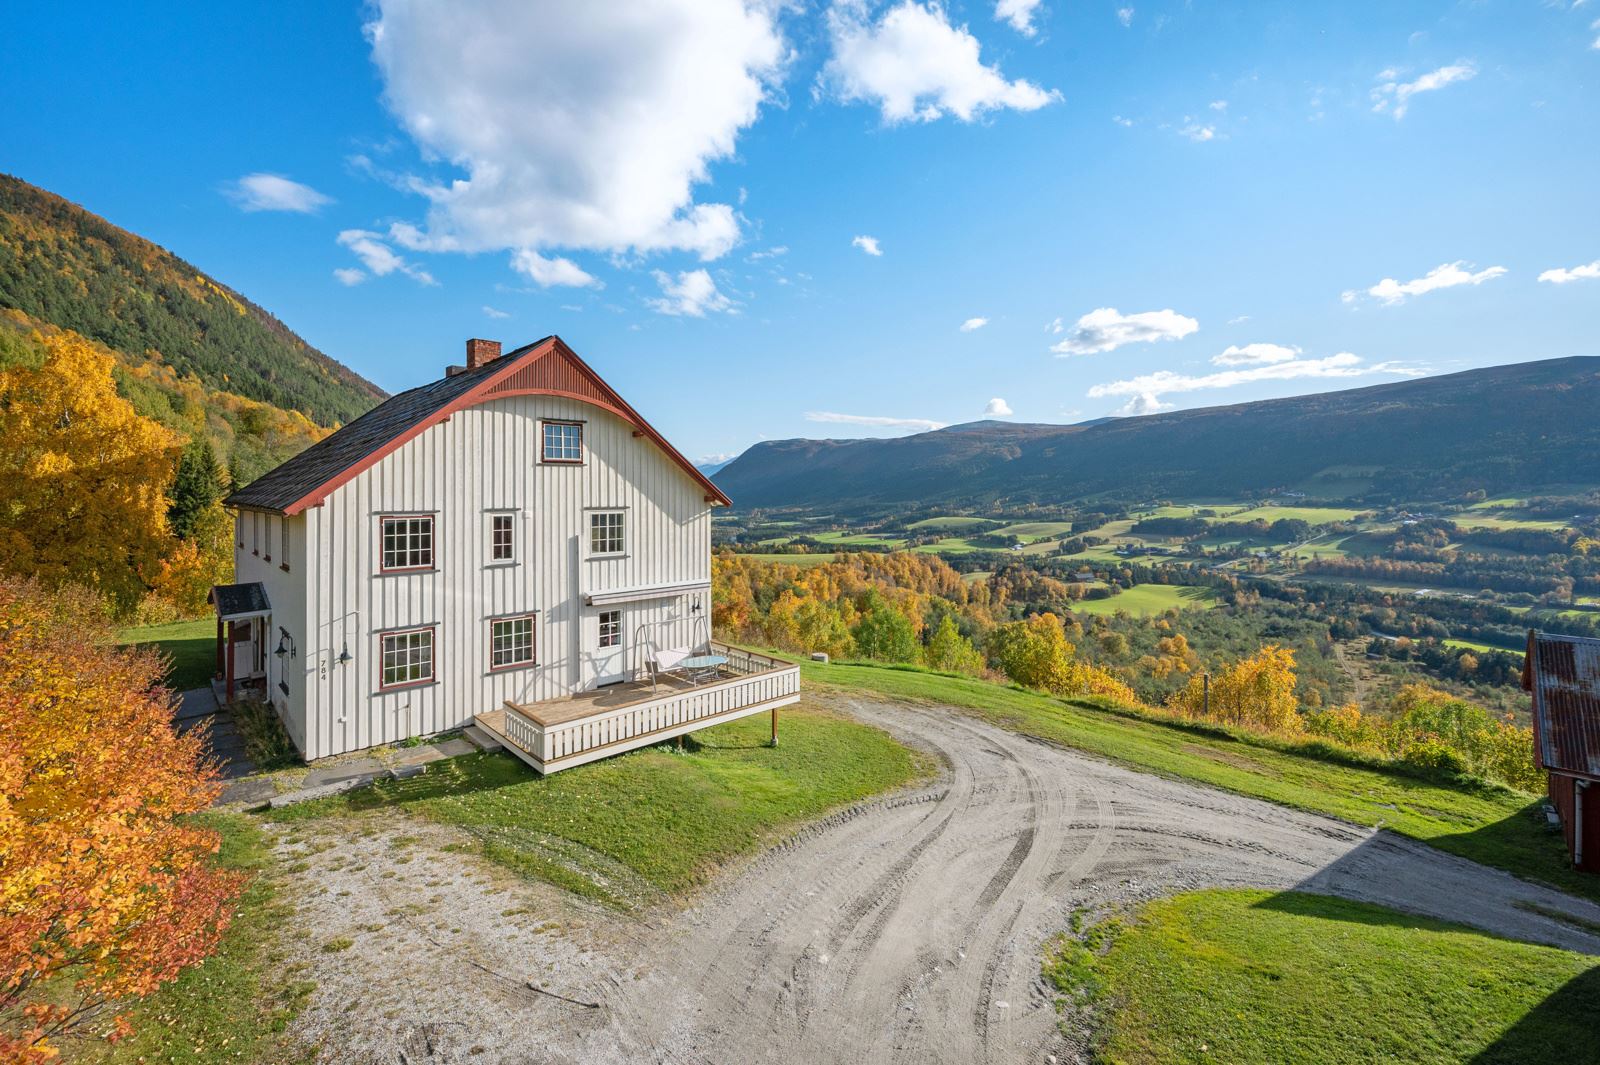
{"x": 692, "y": 293}
{"x": 1141, "y": 403}
{"x": 874, "y": 421}
{"x": 913, "y": 64}
{"x": 973, "y": 324}
{"x": 1125, "y": 15}
{"x": 1446, "y": 275}
{"x": 550, "y": 272}
{"x": 1563, "y": 274}
{"x": 1106, "y": 329}
{"x": 380, "y": 259}
{"x": 1166, "y": 382}
{"x": 866, "y": 244}
{"x": 1019, "y": 13}
{"x": 1255, "y": 354}
{"x": 581, "y": 126}
{"x": 997, "y": 408}
{"x": 1393, "y": 96}
{"x": 495, "y": 312}
{"x": 1197, "y": 132}
{"x": 274, "y": 192}
{"x": 349, "y": 275}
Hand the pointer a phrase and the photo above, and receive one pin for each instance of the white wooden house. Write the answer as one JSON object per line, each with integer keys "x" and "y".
{"x": 511, "y": 545}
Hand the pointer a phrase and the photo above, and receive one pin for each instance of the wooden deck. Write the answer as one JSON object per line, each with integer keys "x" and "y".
{"x": 561, "y": 733}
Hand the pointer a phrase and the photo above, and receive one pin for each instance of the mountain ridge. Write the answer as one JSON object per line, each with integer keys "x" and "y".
{"x": 1496, "y": 427}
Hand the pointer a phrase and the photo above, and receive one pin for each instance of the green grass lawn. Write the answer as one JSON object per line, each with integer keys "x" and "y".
{"x": 1314, "y": 515}
{"x": 1144, "y": 600}
{"x": 1504, "y": 520}
{"x": 951, "y": 545}
{"x": 1496, "y": 826}
{"x": 1473, "y": 645}
{"x": 1033, "y": 530}
{"x": 845, "y": 537}
{"x": 653, "y": 822}
{"x": 191, "y": 646}
{"x": 1257, "y": 978}
{"x": 236, "y": 1004}
{"x": 952, "y": 523}
{"x": 815, "y": 558}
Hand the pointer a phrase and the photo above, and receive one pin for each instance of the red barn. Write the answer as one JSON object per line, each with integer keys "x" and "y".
{"x": 1563, "y": 675}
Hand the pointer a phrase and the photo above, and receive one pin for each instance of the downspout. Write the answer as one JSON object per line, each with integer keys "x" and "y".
{"x": 1578, "y": 789}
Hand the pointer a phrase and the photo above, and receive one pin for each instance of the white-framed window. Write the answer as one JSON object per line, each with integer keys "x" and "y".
{"x": 606, "y": 532}
{"x": 511, "y": 642}
{"x": 502, "y": 537}
{"x": 407, "y": 543}
{"x": 610, "y": 628}
{"x": 407, "y": 657}
{"x": 563, "y": 442}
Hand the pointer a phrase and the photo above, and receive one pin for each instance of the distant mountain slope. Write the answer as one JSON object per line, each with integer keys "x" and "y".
{"x": 1500, "y": 428}
{"x": 62, "y": 265}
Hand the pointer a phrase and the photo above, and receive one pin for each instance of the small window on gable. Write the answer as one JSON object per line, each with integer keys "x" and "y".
{"x": 502, "y": 537}
{"x": 606, "y": 533}
{"x": 283, "y": 542}
{"x": 563, "y": 442}
{"x": 408, "y": 543}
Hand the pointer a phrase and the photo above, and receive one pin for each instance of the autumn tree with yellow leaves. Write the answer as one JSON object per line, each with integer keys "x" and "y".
{"x": 83, "y": 478}
{"x": 1256, "y": 693}
{"x": 107, "y": 892}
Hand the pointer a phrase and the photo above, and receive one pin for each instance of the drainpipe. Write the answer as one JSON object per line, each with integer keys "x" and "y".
{"x": 1578, "y": 789}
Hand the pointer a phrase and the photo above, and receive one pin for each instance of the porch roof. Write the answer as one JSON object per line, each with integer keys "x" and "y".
{"x": 236, "y": 602}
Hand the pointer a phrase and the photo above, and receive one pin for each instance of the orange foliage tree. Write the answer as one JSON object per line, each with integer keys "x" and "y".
{"x": 106, "y": 890}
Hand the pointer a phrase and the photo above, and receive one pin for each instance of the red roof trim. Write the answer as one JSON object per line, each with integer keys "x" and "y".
{"x": 479, "y": 392}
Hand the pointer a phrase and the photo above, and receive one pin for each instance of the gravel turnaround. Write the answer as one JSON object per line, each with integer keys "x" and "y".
{"x": 903, "y": 930}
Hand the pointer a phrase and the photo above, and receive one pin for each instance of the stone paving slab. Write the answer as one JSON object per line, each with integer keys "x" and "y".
{"x": 480, "y": 739}
{"x": 335, "y": 774}
{"x": 252, "y": 791}
{"x": 196, "y": 703}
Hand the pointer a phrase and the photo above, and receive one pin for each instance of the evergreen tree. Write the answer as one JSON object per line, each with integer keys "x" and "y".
{"x": 198, "y": 485}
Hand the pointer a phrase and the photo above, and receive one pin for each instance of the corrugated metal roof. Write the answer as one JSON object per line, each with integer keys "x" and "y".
{"x": 1565, "y": 680}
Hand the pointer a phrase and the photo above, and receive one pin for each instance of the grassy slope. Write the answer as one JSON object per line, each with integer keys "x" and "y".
{"x": 235, "y": 1005}
{"x": 1145, "y": 599}
{"x": 601, "y": 829}
{"x": 192, "y": 646}
{"x": 1255, "y": 977}
{"x": 1494, "y": 826}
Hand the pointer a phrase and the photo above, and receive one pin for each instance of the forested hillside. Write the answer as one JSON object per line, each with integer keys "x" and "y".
{"x": 1501, "y": 429}
{"x": 62, "y": 265}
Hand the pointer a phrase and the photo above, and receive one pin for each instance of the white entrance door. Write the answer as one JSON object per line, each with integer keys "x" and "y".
{"x": 607, "y": 647}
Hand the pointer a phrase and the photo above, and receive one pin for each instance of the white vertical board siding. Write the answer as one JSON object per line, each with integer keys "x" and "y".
{"x": 484, "y": 459}
{"x": 286, "y": 592}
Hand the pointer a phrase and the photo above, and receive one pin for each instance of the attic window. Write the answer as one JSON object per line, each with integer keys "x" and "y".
{"x": 563, "y": 442}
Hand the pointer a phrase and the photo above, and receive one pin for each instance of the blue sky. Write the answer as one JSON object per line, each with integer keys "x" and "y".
{"x": 1129, "y": 205}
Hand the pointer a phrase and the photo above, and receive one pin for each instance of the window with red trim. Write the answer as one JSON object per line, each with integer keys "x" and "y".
{"x": 407, "y": 657}
{"x": 511, "y": 642}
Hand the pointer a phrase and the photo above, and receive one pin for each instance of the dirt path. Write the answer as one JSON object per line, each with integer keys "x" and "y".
{"x": 904, "y": 930}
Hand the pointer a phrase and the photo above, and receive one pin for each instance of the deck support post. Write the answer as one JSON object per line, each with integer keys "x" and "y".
{"x": 774, "y": 726}
{"x": 219, "y": 648}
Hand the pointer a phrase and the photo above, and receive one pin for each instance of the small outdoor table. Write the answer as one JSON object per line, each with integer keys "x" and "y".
{"x": 702, "y": 667}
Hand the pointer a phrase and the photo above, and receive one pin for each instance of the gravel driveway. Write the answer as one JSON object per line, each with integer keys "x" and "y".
{"x": 905, "y": 930}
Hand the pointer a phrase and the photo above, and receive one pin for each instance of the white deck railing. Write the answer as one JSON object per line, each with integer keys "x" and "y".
{"x": 757, "y": 683}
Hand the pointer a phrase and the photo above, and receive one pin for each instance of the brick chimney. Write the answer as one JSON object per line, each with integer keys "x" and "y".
{"x": 481, "y": 353}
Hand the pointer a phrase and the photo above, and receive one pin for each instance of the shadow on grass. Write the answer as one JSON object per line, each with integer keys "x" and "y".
{"x": 468, "y": 774}
{"x": 1569, "y": 1019}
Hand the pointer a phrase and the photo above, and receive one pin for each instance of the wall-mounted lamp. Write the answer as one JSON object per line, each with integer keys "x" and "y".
{"x": 344, "y": 655}
{"x": 694, "y": 607}
{"x": 286, "y": 645}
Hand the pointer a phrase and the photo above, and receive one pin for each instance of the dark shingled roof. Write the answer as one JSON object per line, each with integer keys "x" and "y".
{"x": 283, "y": 486}
{"x": 1563, "y": 672}
{"x": 240, "y": 600}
